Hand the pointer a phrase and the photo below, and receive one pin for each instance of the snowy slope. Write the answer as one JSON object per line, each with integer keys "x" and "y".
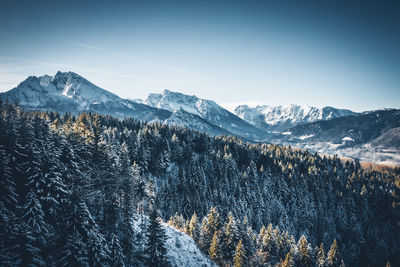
{"x": 206, "y": 109}
{"x": 281, "y": 117}
{"x": 372, "y": 136}
{"x": 69, "y": 92}
{"x": 194, "y": 122}
{"x": 181, "y": 248}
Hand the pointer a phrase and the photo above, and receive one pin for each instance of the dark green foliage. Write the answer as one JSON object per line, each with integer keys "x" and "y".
{"x": 231, "y": 237}
{"x": 117, "y": 256}
{"x": 91, "y": 174}
{"x": 155, "y": 242}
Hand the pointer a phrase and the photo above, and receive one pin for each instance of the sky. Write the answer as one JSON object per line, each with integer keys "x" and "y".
{"x": 344, "y": 54}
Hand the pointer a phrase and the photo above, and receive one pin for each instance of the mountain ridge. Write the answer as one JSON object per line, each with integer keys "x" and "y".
{"x": 69, "y": 92}
{"x": 206, "y": 109}
{"x": 281, "y": 117}
{"x": 369, "y": 136}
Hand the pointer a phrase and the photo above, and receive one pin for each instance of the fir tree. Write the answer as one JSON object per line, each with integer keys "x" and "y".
{"x": 98, "y": 253}
{"x": 127, "y": 239}
{"x": 215, "y": 248}
{"x": 304, "y": 254}
{"x": 239, "y": 255}
{"x": 8, "y": 195}
{"x": 9, "y": 254}
{"x": 193, "y": 228}
{"x": 33, "y": 230}
{"x": 74, "y": 252}
{"x": 288, "y": 262}
{"x": 231, "y": 237}
{"x": 73, "y": 175}
{"x": 116, "y": 254}
{"x": 320, "y": 257}
{"x": 155, "y": 242}
{"x": 333, "y": 255}
{"x": 209, "y": 226}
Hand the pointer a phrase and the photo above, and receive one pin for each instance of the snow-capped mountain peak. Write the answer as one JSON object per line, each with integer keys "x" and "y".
{"x": 69, "y": 92}
{"x": 174, "y": 101}
{"x": 206, "y": 109}
{"x": 74, "y": 86}
{"x": 40, "y": 92}
{"x": 284, "y": 116}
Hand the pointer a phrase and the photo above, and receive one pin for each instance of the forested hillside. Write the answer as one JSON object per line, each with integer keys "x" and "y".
{"x": 72, "y": 187}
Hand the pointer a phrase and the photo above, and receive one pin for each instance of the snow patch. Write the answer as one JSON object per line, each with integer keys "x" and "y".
{"x": 181, "y": 248}
{"x": 347, "y": 138}
{"x": 305, "y": 136}
{"x": 183, "y": 251}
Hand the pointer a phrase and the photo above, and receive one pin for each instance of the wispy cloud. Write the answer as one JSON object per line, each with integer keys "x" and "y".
{"x": 29, "y": 61}
{"x": 132, "y": 58}
{"x": 57, "y": 65}
{"x": 7, "y": 68}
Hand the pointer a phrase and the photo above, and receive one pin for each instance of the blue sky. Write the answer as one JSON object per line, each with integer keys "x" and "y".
{"x": 338, "y": 53}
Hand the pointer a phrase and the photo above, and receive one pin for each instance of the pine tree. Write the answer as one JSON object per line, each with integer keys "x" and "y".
{"x": 288, "y": 262}
{"x": 84, "y": 245}
{"x": 127, "y": 242}
{"x": 320, "y": 257}
{"x": 155, "y": 242}
{"x": 215, "y": 248}
{"x": 268, "y": 244}
{"x": 238, "y": 258}
{"x": 140, "y": 195}
{"x": 44, "y": 176}
{"x": 231, "y": 237}
{"x": 74, "y": 252}
{"x": 39, "y": 153}
{"x": 20, "y": 155}
{"x": 32, "y": 232}
{"x": 193, "y": 229}
{"x": 9, "y": 256}
{"x": 248, "y": 238}
{"x": 209, "y": 225}
{"x": 304, "y": 255}
{"x": 117, "y": 257}
{"x": 8, "y": 195}
{"x": 333, "y": 255}
{"x": 98, "y": 253}
{"x": 8, "y": 204}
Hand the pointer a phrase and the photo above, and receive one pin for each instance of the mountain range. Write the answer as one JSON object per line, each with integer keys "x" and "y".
{"x": 86, "y": 189}
{"x": 370, "y": 136}
{"x": 280, "y": 117}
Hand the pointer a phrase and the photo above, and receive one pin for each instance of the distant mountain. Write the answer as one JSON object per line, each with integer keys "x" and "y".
{"x": 389, "y": 139}
{"x": 281, "y": 117}
{"x": 206, "y": 109}
{"x": 372, "y": 136}
{"x": 194, "y": 122}
{"x": 69, "y": 92}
